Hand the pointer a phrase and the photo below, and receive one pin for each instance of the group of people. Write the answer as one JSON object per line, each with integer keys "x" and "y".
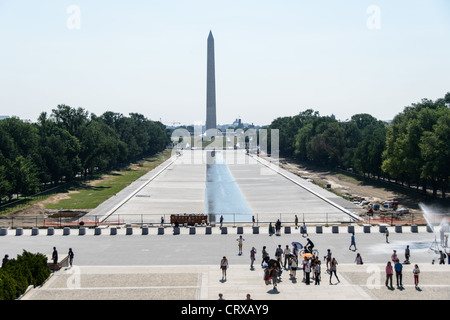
{"x": 275, "y": 230}
{"x": 398, "y": 269}
{"x": 55, "y": 256}
{"x": 290, "y": 260}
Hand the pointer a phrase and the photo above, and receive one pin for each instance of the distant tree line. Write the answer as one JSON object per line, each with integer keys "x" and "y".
{"x": 413, "y": 149}
{"x": 69, "y": 143}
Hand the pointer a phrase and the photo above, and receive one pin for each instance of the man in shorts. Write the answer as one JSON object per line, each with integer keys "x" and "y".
{"x": 240, "y": 241}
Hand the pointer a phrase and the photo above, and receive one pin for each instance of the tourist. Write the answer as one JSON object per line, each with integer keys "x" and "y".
{"x": 328, "y": 259}
{"x": 441, "y": 257}
{"x": 358, "y": 259}
{"x": 389, "y": 274}
{"x": 240, "y": 241}
{"x": 266, "y": 274}
{"x": 55, "y": 256}
{"x": 252, "y": 257}
{"x": 294, "y": 266}
{"x": 333, "y": 269}
{"x": 398, "y": 267}
{"x": 309, "y": 246}
{"x": 317, "y": 273}
{"x": 278, "y": 227}
{"x": 448, "y": 255}
{"x": 274, "y": 275}
{"x": 407, "y": 254}
{"x": 307, "y": 270}
{"x": 352, "y": 242}
{"x": 5, "y": 260}
{"x": 221, "y": 221}
{"x": 271, "y": 230}
{"x": 304, "y": 230}
{"x": 70, "y": 254}
{"x": 279, "y": 254}
{"x": 394, "y": 256}
{"x": 416, "y": 272}
{"x": 296, "y": 222}
{"x": 295, "y": 251}
{"x": 224, "y": 266}
{"x": 286, "y": 254}
{"x": 386, "y": 233}
{"x": 265, "y": 256}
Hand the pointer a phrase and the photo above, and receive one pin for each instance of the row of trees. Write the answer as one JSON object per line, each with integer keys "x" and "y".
{"x": 71, "y": 142}
{"x": 413, "y": 149}
{"x": 17, "y": 274}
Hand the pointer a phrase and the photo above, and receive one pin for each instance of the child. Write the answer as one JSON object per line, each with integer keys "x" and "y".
{"x": 416, "y": 272}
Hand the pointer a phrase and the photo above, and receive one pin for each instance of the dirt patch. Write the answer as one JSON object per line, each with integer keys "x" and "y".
{"x": 362, "y": 193}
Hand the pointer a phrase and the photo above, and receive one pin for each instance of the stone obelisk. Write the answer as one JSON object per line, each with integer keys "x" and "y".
{"x": 211, "y": 86}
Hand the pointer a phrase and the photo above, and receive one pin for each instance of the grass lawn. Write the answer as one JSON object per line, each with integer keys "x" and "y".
{"x": 91, "y": 193}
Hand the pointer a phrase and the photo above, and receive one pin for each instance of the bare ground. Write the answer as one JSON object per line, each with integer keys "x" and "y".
{"x": 357, "y": 191}
{"x": 339, "y": 183}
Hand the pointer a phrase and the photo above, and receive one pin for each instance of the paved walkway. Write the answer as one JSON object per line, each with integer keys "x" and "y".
{"x": 186, "y": 266}
{"x": 357, "y": 282}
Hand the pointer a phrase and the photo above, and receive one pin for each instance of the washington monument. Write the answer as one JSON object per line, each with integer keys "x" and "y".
{"x": 210, "y": 86}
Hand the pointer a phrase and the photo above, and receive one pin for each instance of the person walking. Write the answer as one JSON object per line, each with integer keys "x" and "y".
{"x": 70, "y": 254}
{"x": 240, "y": 241}
{"x": 296, "y": 222}
{"x": 352, "y": 242}
{"x": 333, "y": 269}
{"x": 398, "y": 267}
{"x": 252, "y": 257}
{"x": 416, "y": 272}
{"x": 317, "y": 273}
{"x": 221, "y": 221}
{"x": 265, "y": 256}
{"x": 386, "y": 233}
{"x": 286, "y": 254}
{"x": 389, "y": 274}
{"x": 279, "y": 254}
{"x": 224, "y": 266}
{"x": 328, "y": 259}
{"x": 441, "y": 257}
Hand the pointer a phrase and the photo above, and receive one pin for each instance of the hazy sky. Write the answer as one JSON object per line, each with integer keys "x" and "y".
{"x": 273, "y": 58}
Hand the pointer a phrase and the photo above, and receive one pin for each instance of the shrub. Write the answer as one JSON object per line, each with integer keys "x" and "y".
{"x": 18, "y": 274}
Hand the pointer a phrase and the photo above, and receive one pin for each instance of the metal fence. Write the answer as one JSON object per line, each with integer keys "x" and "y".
{"x": 61, "y": 220}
